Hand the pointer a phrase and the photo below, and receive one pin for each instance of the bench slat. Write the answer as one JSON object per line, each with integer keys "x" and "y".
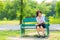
{"x": 28, "y": 25}
{"x": 29, "y": 20}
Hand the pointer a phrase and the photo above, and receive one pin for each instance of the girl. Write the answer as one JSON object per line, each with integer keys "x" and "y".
{"x": 40, "y": 23}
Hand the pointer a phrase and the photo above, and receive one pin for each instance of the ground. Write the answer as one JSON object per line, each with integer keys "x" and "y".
{"x": 54, "y": 35}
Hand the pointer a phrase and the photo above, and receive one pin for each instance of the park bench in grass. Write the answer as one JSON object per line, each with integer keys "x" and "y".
{"x": 30, "y": 23}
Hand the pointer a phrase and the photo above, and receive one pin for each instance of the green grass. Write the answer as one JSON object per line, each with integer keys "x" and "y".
{"x": 13, "y": 22}
{"x": 5, "y": 34}
{"x": 55, "y": 21}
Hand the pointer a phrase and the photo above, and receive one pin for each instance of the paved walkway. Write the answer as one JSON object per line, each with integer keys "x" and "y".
{"x": 17, "y": 27}
{"x": 9, "y": 27}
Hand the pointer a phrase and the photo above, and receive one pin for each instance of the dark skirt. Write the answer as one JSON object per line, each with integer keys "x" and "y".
{"x": 42, "y": 24}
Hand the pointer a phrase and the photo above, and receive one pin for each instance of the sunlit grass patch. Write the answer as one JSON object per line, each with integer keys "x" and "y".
{"x": 54, "y": 20}
{"x": 9, "y": 33}
{"x": 10, "y": 22}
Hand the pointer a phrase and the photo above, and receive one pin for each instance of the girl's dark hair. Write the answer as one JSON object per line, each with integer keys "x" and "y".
{"x": 38, "y": 12}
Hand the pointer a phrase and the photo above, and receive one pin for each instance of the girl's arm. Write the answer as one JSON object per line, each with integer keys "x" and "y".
{"x": 37, "y": 21}
{"x": 43, "y": 19}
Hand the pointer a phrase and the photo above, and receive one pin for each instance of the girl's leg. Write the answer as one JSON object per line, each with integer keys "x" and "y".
{"x": 38, "y": 30}
{"x": 42, "y": 29}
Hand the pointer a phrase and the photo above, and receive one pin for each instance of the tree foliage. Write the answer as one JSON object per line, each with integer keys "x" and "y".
{"x": 11, "y": 10}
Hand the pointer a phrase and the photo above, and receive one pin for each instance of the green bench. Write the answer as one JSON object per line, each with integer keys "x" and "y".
{"x": 30, "y": 23}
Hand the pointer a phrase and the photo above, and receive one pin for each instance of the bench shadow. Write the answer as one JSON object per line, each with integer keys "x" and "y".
{"x": 35, "y": 37}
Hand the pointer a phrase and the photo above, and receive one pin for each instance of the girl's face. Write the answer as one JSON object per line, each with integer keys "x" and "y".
{"x": 39, "y": 14}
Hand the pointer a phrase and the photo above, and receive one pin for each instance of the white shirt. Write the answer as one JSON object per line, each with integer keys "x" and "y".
{"x": 40, "y": 19}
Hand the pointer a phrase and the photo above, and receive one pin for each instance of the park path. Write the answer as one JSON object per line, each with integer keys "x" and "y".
{"x": 9, "y": 27}
{"x": 17, "y": 27}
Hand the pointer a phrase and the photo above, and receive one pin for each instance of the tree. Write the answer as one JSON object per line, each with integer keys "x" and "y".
{"x": 57, "y": 9}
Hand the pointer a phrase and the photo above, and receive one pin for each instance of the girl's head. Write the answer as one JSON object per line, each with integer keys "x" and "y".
{"x": 38, "y": 13}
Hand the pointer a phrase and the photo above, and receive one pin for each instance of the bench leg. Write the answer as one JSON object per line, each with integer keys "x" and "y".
{"x": 47, "y": 31}
{"x": 22, "y": 31}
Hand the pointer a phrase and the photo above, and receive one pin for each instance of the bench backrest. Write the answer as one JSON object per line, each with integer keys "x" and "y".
{"x": 29, "y": 20}
{"x": 33, "y": 20}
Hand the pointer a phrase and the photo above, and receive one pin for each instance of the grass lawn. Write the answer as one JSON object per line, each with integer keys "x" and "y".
{"x": 55, "y": 21}
{"x": 5, "y": 34}
{"x": 13, "y": 22}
